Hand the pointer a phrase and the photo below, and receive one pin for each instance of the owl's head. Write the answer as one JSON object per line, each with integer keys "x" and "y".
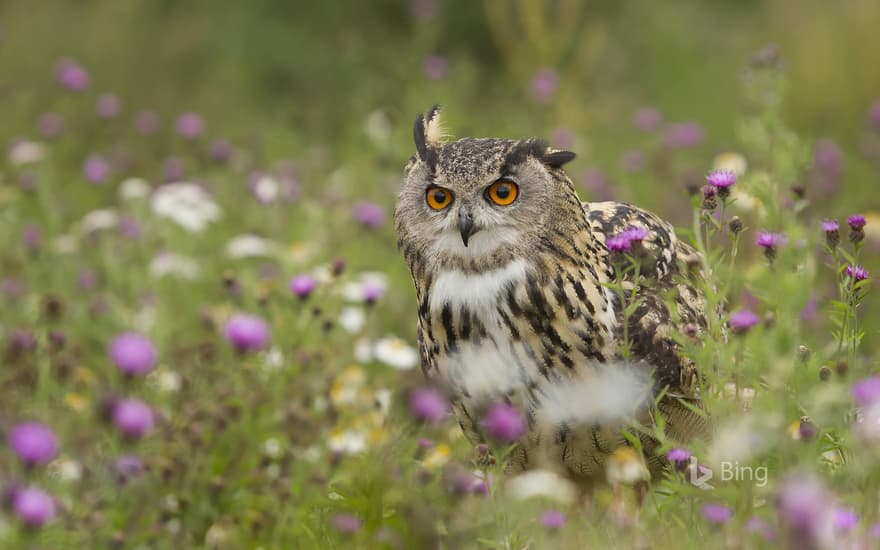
{"x": 477, "y": 198}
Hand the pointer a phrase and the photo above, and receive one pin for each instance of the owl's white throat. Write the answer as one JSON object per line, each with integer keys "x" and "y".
{"x": 477, "y": 291}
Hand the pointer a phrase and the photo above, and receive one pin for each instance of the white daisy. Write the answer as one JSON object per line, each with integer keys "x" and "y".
{"x": 249, "y": 246}
{"x": 352, "y": 319}
{"x": 165, "y": 380}
{"x": 65, "y": 469}
{"x": 26, "y": 152}
{"x": 134, "y": 188}
{"x": 266, "y": 189}
{"x": 355, "y": 291}
{"x": 347, "y": 441}
{"x": 186, "y": 204}
{"x": 542, "y": 483}
{"x": 396, "y": 353}
{"x": 170, "y": 263}
{"x": 65, "y": 244}
{"x": 97, "y": 220}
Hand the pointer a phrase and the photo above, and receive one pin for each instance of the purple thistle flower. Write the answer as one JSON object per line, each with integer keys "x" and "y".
{"x": 346, "y": 523}
{"x": 721, "y": 179}
{"x": 829, "y": 226}
{"x": 247, "y": 332}
{"x": 718, "y": 514}
{"x": 127, "y": 467}
{"x": 544, "y": 85}
{"x": 96, "y": 169}
{"x": 867, "y": 392}
{"x": 633, "y": 161}
{"x": 372, "y": 291}
{"x": 129, "y": 227}
{"x": 173, "y": 169}
{"x": 563, "y": 138}
{"x": 435, "y": 67}
{"x": 220, "y": 150}
{"x": 827, "y": 157}
{"x": 368, "y": 213}
{"x": 742, "y": 320}
{"x": 875, "y": 531}
{"x": 677, "y": 454}
{"x": 132, "y": 353}
{"x": 769, "y": 240}
{"x": 504, "y": 423}
{"x": 857, "y": 272}
{"x": 34, "y": 507}
{"x": 133, "y": 418}
{"x": 71, "y": 75}
{"x": 11, "y": 287}
{"x": 50, "y": 125}
{"x": 33, "y": 443}
{"x": 31, "y": 237}
{"x": 553, "y": 519}
{"x": 758, "y": 525}
{"x": 423, "y": 9}
{"x": 827, "y": 166}
{"x": 683, "y": 135}
{"x": 618, "y": 243}
{"x": 597, "y": 183}
{"x": 856, "y": 222}
{"x": 634, "y": 233}
{"x": 844, "y": 519}
{"x": 428, "y": 405}
{"x": 107, "y": 106}
{"x": 804, "y": 506}
{"x": 86, "y": 279}
{"x": 146, "y": 122}
{"x": 647, "y": 119}
{"x": 303, "y": 285}
{"x": 189, "y": 125}
{"x": 874, "y": 115}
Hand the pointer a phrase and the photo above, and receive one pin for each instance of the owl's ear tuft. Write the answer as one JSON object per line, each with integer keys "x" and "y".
{"x": 555, "y": 158}
{"x": 427, "y": 132}
{"x": 434, "y": 131}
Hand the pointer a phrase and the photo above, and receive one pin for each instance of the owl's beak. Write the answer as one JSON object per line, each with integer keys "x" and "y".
{"x": 465, "y": 224}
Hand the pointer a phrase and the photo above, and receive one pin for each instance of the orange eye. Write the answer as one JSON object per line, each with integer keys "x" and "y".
{"x": 502, "y": 192}
{"x": 438, "y": 198}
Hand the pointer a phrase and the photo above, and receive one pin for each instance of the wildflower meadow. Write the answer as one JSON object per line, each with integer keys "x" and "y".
{"x": 208, "y": 336}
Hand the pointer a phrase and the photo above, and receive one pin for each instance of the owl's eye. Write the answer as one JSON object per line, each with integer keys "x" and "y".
{"x": 502, "y": 192}
{"x": 438, "y": 198}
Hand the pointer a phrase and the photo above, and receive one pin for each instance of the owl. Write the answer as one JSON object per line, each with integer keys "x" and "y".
{"x": 525, "y": 296}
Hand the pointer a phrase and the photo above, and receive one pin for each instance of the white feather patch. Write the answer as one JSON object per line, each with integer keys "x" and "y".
{"x": 477, "y": 291}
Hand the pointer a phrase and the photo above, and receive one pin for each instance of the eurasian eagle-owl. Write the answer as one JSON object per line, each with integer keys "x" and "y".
{"x": 521, "y": 300}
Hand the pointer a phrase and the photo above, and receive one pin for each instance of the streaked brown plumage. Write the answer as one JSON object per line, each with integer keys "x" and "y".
{"x": 521, "y": 302}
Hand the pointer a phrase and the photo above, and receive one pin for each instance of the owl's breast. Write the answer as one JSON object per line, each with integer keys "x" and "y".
{"x": 506, "y": 331}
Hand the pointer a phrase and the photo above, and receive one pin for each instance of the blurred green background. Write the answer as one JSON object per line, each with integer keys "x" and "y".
{"x": 321, "y": 67}
{"x": 319, "y": 98}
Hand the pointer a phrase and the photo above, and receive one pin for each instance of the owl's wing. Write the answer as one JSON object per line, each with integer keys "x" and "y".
{"x": 669, "y": 299}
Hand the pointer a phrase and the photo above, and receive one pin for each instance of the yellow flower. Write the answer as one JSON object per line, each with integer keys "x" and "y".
{"x": 437, "y": 457}
{"x": 872, "y": 227}
{"x": 731, "y": 162}
{"x": 794, "y": 430}
{"x": 300, "y": 251}
{"x": 347, "y": 386}
{"x": 626, "y": 465}
{"x": 84, "y": 375}
{"x": 75, "y": 401}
